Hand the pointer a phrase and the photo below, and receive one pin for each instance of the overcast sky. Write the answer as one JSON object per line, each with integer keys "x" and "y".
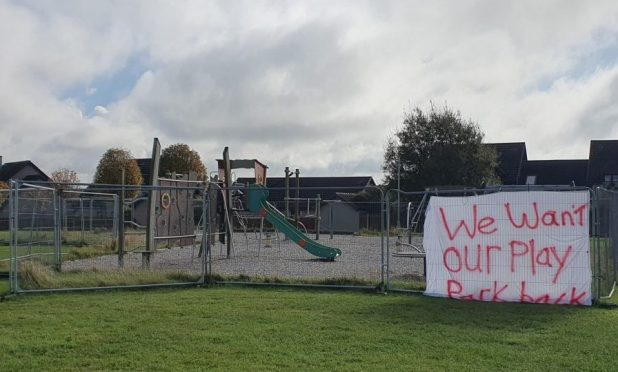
{"x": 312, "y": 85}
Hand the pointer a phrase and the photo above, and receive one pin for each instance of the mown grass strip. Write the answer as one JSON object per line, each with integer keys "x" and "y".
{"x": 235, "y": 328}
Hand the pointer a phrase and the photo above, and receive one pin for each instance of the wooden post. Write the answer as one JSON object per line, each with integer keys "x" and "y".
{"x": 152, "y": 202}
{"x": 228, "y": 200}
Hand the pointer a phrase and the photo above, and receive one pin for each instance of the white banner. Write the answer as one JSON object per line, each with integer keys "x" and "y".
{"x": 510, "y": 246}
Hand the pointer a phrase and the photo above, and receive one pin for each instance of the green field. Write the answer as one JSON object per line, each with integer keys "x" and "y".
{"x": 227, "y": 328}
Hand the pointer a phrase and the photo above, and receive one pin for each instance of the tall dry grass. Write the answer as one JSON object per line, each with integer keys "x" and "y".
{"x": 35, "y": 275}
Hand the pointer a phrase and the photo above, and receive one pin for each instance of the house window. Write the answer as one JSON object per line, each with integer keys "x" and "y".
{"x": 531, "y": 180}
{"x": 611, "y": 180}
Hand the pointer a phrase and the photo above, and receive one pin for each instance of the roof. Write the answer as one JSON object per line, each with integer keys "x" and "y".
{"x": 603, "y": 160}
{"x": 514, "y": 166}
{"x": 241, "y": 163}
{"x": 327, "y": 187}
{"x": 557, "y": 172}
{"x": 9, "y": 170}
{"x": 512, "y": 157}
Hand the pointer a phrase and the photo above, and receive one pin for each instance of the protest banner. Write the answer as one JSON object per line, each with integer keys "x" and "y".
{"x": 510, "y": 246}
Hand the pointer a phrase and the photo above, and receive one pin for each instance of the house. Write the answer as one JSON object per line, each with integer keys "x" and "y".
{"x": 556, "y": 172}
{"x": 603, "y": 163}
{"x": 21, "y": 170}
{"x": 18, "y": 170}
{"x": 600, "y": 169}
{"x": 511, "y": 159}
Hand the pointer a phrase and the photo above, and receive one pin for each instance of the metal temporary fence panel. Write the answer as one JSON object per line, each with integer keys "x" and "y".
{"x": 70, "y": 238}
{"x": 35, "y": 242}
{"x": 325, "y": 238}
{"x": 405, "y": 254}
{"x": 4, "y": 217}
{"x": 604, "y": 241}
{"x": 75, "y": 235}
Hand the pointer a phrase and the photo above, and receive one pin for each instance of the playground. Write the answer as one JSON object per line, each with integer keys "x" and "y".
{"x": 180, "y": 230}
{"x": 180, "y": 227}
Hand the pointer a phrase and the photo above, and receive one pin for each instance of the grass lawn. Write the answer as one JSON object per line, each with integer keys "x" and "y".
{"x": 227, "y": 328}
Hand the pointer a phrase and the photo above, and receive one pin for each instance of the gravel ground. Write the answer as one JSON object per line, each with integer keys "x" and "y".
{"x": 361, "y": 258}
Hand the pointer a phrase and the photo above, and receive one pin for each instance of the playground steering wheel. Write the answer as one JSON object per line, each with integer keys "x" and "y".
{"x": 166, "y": 200}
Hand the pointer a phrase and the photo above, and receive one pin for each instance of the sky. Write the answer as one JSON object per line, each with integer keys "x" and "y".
{"x": 314, "y": 85}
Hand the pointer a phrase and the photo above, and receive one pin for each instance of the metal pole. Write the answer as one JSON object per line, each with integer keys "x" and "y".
{"x": 330, "y": 219}
{"x": 317, "y": 217}
{"x": 120, "y": 223}
{"x": 297, "y": 202}
{"x": 408, "y": 227}
{"x": 596, "y": 249}
{"x": 385, "y": 262}
{"x": 608, "y": 258}
{"x": 205, "y": 235}
{"x": 13, "y": 196}
{"x": 63, "y": 212}
{"x": 132, "y": 210}
{"x": 90, "y": 213}
{"x": 81, "y": 214}
{"x": 287, "y": 192}
{"x": 398, "y": 192}
{"x": 211, "y": 229}
{"x": 32, "y": 221}
{"x": 58, "y": 213}
{"x": 115, "y": 218}
{"x": 386, "y": 265}
{"x": 613, "y": 236}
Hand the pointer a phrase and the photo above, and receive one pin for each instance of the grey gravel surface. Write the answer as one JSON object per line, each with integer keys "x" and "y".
{"x": 275, "y": 257}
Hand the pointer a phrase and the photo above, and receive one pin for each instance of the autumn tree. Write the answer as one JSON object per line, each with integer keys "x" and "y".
{"x": 109, "y": 170}
{"x": 438, "y": 148}
{"x": 181, "y": 159}
{"x": 64, "y": 176}
{"x": 4, "y": 192}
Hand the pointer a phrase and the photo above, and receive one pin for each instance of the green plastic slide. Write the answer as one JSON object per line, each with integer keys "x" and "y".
{"x": 258, "y": 204}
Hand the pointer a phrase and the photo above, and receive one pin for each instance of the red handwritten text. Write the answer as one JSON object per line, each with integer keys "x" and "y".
{"x": 455, "y": 289}
{"x": 535, "y": 218}
{"x": 483, "y": 226}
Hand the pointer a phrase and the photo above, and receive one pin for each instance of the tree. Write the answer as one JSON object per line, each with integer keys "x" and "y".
{"x": 4, "y": 193}
{"x": 64, "y": 176}
{"x": 179, "y": 158}
{"x": 109, "y": 170}
{"x": 438, "y": 148}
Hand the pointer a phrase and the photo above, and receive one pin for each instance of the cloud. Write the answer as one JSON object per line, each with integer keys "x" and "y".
{"x": 317, "y": 86}
{"x": 100, "y": 111}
